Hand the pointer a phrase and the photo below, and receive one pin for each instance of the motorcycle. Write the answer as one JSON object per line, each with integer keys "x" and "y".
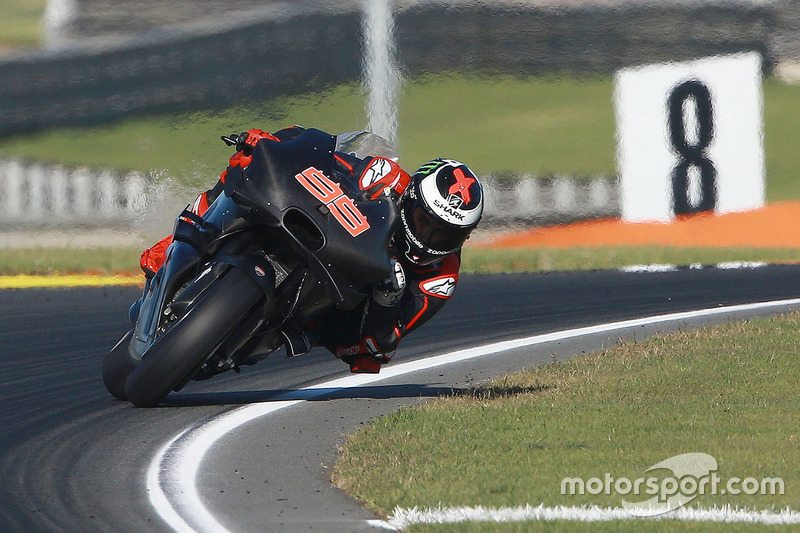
{"x": 288, "y": 240}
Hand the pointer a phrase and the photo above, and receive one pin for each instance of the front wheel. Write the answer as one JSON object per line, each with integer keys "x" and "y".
{"x": 117, "y": 366}
{"x": 184, "y": 347}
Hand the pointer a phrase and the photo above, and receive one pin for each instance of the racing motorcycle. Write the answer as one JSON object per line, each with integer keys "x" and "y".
{"x": 286, "y": 241}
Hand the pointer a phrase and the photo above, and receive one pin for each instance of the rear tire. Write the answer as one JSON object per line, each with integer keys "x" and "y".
{"x": 183, "y": 348}
{"x": 117, "y": 366}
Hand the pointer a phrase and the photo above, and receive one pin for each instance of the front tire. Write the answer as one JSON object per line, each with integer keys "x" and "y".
{"x": 117, "y": 366}
{"x": 188, "y": 343}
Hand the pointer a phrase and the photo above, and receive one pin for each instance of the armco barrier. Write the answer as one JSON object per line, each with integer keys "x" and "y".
{"x": 34, "y": 195}
{"x": 543, "y": 201}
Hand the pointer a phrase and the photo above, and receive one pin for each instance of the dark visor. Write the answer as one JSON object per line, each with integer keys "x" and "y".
{"x": 432, "y": 232}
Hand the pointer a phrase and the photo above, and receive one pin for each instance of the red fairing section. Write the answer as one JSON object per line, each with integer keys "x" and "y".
{"x": 152, "y": 258}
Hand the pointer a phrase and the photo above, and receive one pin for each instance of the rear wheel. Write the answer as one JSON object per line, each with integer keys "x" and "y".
{"x": 183, "y": 348}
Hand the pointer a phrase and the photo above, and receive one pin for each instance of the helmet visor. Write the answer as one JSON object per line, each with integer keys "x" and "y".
{"x": 432, "y": 234}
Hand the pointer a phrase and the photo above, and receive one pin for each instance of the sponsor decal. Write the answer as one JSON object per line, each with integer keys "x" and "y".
{"x": 350, "y": 350}
{"x": 340, "y": 205}
{"x": 448, "y": 210}
{"x": 399, "y": 275}
{"x": 260, "y": 272}
{"x": 461, "y": 186}
{"x": 455, "y": 201}
{"x": 413, "y": 238}
{"x": 442, "y": 287}
{"x": 376, "y": 171}
{"x": 429, "y": 168}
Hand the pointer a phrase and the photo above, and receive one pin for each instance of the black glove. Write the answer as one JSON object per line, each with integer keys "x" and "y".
{"x": 239, "y": 142}
{"x": 389, "y": 291}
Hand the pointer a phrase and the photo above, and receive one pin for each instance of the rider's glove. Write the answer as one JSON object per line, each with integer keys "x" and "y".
{"x": 389, "y": 291}
{"x": 245, "y": 141}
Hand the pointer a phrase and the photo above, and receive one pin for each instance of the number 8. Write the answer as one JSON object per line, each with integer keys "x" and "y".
{"x": 692, "y": 154}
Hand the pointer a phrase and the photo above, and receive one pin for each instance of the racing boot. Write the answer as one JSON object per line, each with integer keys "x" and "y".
{"x": 366, "y": 363}
{"x": 153, "y": 257}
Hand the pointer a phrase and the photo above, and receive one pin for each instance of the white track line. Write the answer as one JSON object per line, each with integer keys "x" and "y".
{"x": 402, "y": 518}
{"x": 172, "y": 474}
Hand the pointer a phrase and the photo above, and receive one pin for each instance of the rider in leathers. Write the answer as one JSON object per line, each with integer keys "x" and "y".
{"x": 439, "y": 206}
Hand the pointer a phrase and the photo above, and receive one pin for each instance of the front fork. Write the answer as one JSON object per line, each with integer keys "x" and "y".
{"x": 145, "y": 313}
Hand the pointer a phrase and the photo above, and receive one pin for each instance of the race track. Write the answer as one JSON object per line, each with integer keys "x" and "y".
{"x": 73, "y": 459}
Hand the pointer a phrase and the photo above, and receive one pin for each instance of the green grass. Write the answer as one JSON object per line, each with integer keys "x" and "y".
{"x": 591, "y": 527}
{"x": 51, "y": 261}
{"x": 540, "y": 125}
{"x": 21, "y": 23}
{"x": 481, "y": 260}
{"x": 781, "y": 129}
{"x": 729, "y": 391}
{"x": 478, "y": 259}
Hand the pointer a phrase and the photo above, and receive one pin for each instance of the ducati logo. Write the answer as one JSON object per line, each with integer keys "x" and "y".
{"x": 442, "y": 287}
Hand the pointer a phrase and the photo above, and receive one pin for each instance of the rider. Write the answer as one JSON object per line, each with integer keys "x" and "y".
{"x": 439, "y": 206}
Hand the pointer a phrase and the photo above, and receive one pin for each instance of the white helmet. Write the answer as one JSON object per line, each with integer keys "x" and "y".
{"x": 441, "y": 207}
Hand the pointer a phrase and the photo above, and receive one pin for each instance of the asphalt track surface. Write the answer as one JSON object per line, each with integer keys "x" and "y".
{"x": 74, "y": 459}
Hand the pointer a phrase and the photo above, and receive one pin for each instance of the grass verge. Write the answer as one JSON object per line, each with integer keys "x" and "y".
{"x": 728, "y": 391}
{"x": 54, "y": 261}
{"x": 540, "y": 125}
{"x": 21, "y": 23}
{"x": 522, "y": 259}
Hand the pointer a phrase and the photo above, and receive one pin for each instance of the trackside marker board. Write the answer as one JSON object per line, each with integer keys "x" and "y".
{"x": 689, "y": 137}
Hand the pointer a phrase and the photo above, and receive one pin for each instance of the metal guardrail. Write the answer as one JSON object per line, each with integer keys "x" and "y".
{"x": 36, "y": 195}
{"x": 544, "y": 201}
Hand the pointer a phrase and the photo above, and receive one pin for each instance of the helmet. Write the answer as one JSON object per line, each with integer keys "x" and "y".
{"x": 440, "y": 208}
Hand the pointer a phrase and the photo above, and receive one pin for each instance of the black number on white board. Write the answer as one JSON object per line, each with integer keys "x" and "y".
{"x": 692, "y": 154}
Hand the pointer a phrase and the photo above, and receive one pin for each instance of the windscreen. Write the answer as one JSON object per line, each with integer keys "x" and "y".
{"x": 365, "y": 143}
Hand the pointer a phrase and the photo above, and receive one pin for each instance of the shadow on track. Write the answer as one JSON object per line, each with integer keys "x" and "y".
{"x": 376, "y": 392}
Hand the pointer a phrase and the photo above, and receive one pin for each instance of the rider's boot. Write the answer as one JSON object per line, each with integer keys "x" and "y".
{"x": 364, "y": 366}
{"x": 367, "y": 363}
{"x": 153, "y": 257}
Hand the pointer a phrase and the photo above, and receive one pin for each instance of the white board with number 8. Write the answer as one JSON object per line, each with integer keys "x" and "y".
{"x": 690, "y": 137}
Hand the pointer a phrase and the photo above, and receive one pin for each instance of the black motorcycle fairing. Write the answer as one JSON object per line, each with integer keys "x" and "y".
{"x": 272, "y": 186}
{"x": 262, "y": 263}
